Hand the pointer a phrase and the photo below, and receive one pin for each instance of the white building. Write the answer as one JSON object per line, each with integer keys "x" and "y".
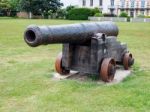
{"x": 132, "y": 7}
{"x": 70, "y": 2}
{"x": 102, "y": 4}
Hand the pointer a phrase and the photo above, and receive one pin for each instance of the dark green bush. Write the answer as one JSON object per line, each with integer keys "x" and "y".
{"x": 123, "y": 14}
{"x": 68, "y": 8}
{"x": 98, "y": 15}
{"x": 109, "y": 15}
{"x": 79, "y": 14}
{"x": 95, "y": 10}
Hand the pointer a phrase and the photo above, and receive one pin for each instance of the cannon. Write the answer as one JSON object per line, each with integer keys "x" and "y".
{"x": 87, "y": 47}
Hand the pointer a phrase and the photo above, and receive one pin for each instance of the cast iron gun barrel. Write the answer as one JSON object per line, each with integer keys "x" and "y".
{"x": 74, "y": 33}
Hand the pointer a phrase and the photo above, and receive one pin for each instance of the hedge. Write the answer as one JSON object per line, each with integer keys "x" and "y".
{"x": 80, "y": 14}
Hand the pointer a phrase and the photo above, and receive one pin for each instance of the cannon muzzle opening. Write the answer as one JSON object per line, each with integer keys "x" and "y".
{"x": 31, "y": 38}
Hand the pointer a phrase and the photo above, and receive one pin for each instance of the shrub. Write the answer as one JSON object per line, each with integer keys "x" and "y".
{"x": 109, "y": 15}
{"x": 96, "y": 10}
{"x": 79, "y": 14}
{"x": 98, "y": 15}
{"x": 123, "y": 14}
{"x": 147, "y": 16}
{"x": 69, "y": 8}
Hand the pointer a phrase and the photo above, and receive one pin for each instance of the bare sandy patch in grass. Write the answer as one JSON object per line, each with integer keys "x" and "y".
{"x": 119, "y": 76}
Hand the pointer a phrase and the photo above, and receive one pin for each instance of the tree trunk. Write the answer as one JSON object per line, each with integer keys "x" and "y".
{"x": 30, "y": 15}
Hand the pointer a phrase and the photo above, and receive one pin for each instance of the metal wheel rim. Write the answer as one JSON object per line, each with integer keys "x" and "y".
{"x": 58, "y": 66}
{"x": 126, "y": 60}
{"x": 105, "y": 68}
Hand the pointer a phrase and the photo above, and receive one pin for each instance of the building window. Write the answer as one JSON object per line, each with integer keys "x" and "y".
{"x": 137, "y": 4}
{"x": 132, "y": 3}
{"x": 112, "y": 2}
{"x": 127, "y": 4}
{"x": 91, "y": 2}
{"x": 122, "y": 3}
{"x": 142, "y": 3}
{"x": 83, "y": 2}
{"x": 100, "y": 2}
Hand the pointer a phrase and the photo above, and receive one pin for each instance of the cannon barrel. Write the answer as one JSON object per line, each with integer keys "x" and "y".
{"x": 74, "y": 33}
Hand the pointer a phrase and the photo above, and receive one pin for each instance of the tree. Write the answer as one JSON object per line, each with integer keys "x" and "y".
{"x": 50, "y": 7}
{"x": 61, "y": 13}
{"x": 4, "y": 7}
{"x": 14, "y": 4}
{"x": 40, "y": 7}
{"x": 14, "y": 7}
{"x": 29, "y": 6}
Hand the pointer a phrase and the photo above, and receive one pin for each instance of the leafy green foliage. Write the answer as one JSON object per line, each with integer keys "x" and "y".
{"x": 14, "y": 7}
{"x": 96, "y": 10}
{"x": 61, "y": 13}
{"x": 38, "y": 7}
{"x": 14, "y": 4}
{"x": 80, "y": 14}
{"x": 98, "y": 15}
{"x": 4, "y": 7}
{"x": 123, "y": 14}
{"x": 69, "y": 8}
{"x": 109, "y": 15}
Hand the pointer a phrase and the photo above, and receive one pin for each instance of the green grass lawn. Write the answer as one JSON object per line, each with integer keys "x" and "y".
{"x": 25, "y": 75}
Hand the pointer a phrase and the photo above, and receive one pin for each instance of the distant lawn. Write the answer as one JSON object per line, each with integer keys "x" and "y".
{"x": 7, "y": 17}
{"x": 25, "y": 75}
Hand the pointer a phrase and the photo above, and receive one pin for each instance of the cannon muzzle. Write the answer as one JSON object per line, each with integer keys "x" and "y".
{"x": 74, "y": 33}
